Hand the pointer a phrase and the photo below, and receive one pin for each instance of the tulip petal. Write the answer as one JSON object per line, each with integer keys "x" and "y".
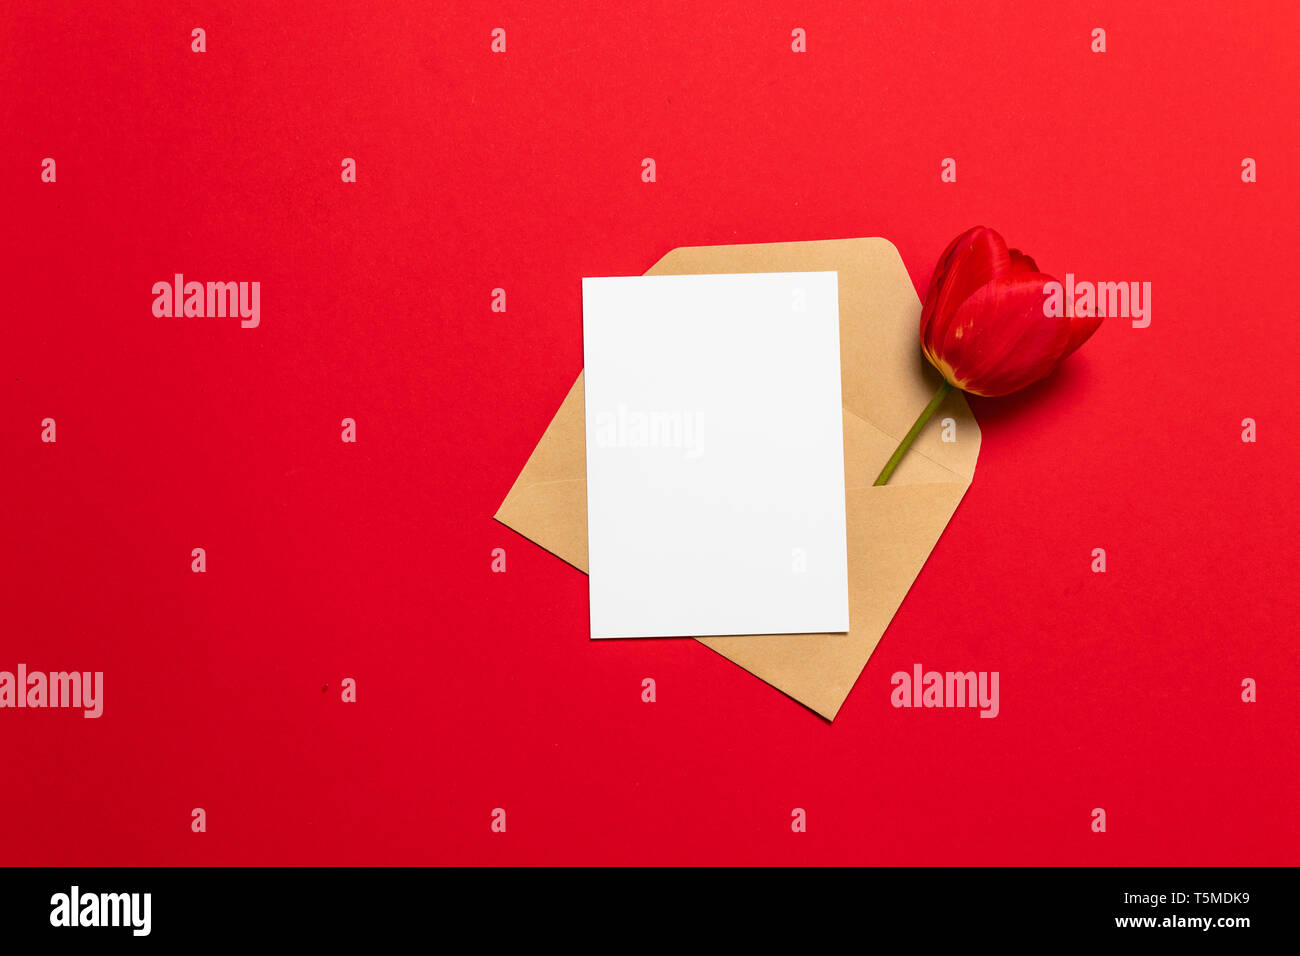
{"x": 972, "y": 260}
{"x": 1020, "y": 262}
{"x": 1081, "y": 329}
{"x": 1000, "y": 339}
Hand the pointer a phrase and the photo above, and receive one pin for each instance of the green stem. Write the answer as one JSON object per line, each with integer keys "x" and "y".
{"x": 906, "y": 443}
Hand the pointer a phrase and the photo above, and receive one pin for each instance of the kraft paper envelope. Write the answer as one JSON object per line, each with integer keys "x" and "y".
{"x": 891, "y": 529}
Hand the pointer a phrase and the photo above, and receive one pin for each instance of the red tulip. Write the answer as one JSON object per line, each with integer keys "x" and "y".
{"x": 984, "y": 325}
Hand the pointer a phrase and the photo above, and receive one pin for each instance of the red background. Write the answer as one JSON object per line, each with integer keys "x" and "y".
{"x": 478, "y": 690}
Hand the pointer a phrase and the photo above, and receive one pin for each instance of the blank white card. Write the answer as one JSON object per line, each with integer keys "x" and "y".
{"x": 715, "y": 455}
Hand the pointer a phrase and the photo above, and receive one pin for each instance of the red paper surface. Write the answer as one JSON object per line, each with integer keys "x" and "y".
{"x": 480, "y": 690}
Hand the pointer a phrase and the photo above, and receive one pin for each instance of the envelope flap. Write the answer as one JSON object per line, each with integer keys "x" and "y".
{"x": 885, "y": 379}
{"x": 548, "y": 501}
